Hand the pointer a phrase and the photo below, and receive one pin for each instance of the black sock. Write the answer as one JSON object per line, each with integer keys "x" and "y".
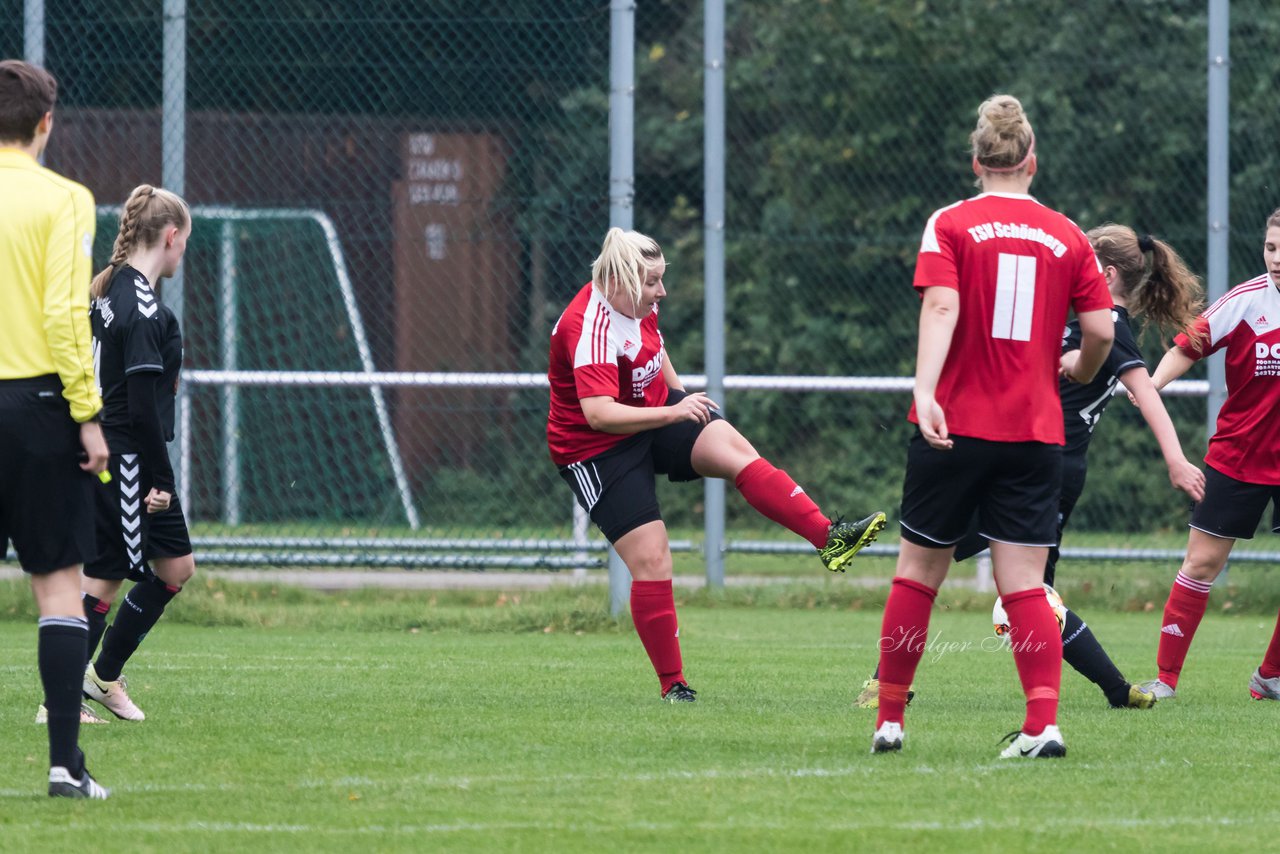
{"x": 134, "y": 618}
{"x": 95, "y": 611}
{"x": 61, "y": 657}
{"x": 1082, "y": 651}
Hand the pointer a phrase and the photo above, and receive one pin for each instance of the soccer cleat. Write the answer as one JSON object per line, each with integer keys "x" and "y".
{"x": 887, "y": 738}
{"x": 870, "y": 696}
{"x": 1046, "y": 745}
{"x": 87, "y": 715}
{"x": 63, "y": 785}
{"x": 846, "y": 539}
{"x": 679, "y": 693}
{"x": 113, "y": 695}
{"x": 1264, "y": 689}
{"x": 1139, "y": 698}
{"x": 1161, "y": 690}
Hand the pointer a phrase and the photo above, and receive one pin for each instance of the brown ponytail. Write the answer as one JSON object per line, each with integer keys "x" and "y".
{"x": 1156, "y": 282}
{"x": 147, "y": 213}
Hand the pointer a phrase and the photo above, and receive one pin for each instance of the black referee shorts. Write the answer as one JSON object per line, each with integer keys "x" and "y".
{"x": 1013, "y": 488}
{"x": 127, "y": 535}
{"x": 1232, "y": 508}
{"x": 617, "y": 488}
{"x": 46, "y": 499}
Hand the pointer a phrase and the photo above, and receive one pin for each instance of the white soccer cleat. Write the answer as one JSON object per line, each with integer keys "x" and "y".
{"x": 87, "y": 715}
{"x": 1161, "y": 690}
{"x": 887, "y": 738}
{"x": 1264, "y": 689}
{"x": 113, "y": 695}
{"x": 1046, "y": 745}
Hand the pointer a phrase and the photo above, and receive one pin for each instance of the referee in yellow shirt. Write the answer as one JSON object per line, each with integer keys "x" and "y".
{"x": 51, "y": 443}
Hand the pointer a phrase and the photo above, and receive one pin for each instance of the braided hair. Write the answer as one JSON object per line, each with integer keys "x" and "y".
{"x": 147, "y": 213}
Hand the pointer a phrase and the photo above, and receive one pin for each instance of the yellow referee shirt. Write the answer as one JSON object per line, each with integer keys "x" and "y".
{"x": 46, "y": 258}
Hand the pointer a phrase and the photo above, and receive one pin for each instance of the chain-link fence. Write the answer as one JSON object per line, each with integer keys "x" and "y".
{"x": 848, "y": 125}
{"x": 420, "y": 188}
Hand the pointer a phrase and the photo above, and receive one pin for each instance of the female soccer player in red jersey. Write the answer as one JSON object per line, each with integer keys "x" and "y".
{"x": 619, "y": 414}
{"x": 997, "y": 274}
{"x": 1148, "y": 280}
{"x": 1243, "y": 458}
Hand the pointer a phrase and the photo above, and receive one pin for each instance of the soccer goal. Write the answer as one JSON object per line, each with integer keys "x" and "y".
{"x": 269, "y": 301}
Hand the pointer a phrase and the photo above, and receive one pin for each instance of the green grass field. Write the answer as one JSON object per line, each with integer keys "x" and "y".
{"x": 268, "y": 732}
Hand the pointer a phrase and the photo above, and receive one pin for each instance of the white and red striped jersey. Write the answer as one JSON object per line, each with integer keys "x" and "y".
{"x": 1246, "y": 321}
{"x": 599, "y": 352}
{"x": 1018, "y": 266}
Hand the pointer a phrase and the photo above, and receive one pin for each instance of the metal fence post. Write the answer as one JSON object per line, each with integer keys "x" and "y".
{"x": 713, "y": 271}
{"x": 229, "y": 340}
{"x": 622, "y": 187}
{"x": 33, "y": 30}
{"x": 173, "y": 176}
{"x": 1219, "y": 193}
{"x": 1219, "y": 171}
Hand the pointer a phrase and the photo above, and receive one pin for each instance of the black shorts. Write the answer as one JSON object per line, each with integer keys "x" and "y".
{"x": 127, "y": 535}
{"x": 46, "y": 499}
{"x": 1013, "y": 488}
{"x": 1075, "y": 470}
{"x": 617, "y": 487}
{"x": 1231, "y": 508}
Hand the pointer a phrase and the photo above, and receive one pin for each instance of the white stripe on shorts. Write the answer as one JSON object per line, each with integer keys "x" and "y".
{"x": 588, "y": 482}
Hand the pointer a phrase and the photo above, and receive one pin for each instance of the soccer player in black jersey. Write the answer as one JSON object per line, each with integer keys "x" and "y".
{"x": 141, "y": 532}
{"x": 1145, "y": 276}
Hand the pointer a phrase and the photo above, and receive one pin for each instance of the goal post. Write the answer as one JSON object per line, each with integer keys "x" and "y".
{"x": 229, "y": 300}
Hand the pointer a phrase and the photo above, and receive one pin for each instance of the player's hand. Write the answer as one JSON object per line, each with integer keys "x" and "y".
{"x": 933, "y": 423}
{"x": 1183, "y": 475}
{"x": 94, "y": 443}
{"x": 695, "y": 407}
{"x": 157, "y": 501}
{"x": 1067, "y": 366}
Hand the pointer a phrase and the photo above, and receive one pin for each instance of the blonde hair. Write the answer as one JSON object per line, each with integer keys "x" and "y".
{"x": 624, "y": 260}
{"x": 147, "y": 213}
{"x": 1003, "y": 140}
{"x": 1274, "y": 219}
{"x": 1154, "y": 280}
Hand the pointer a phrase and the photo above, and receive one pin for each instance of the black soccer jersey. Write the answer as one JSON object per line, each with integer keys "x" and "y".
{"x": 133, "y": 332}
{"x": 1082, "y": 405}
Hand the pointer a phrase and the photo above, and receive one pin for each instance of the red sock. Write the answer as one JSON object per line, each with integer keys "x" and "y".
{"x": 903, "y": 634}
{"x": 1188, "y": 600}
{"x": 1036, "y": 640}
{"x": 775, "y": 495}
{"x": 1271, "y": 661}
{"x": 653, "y": 610}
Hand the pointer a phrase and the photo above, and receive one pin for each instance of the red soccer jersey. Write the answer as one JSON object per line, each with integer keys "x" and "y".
{"x": 596, "y": 351}
{"x": 1246, "y": 444}
{"x": 1017, "y": 266}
